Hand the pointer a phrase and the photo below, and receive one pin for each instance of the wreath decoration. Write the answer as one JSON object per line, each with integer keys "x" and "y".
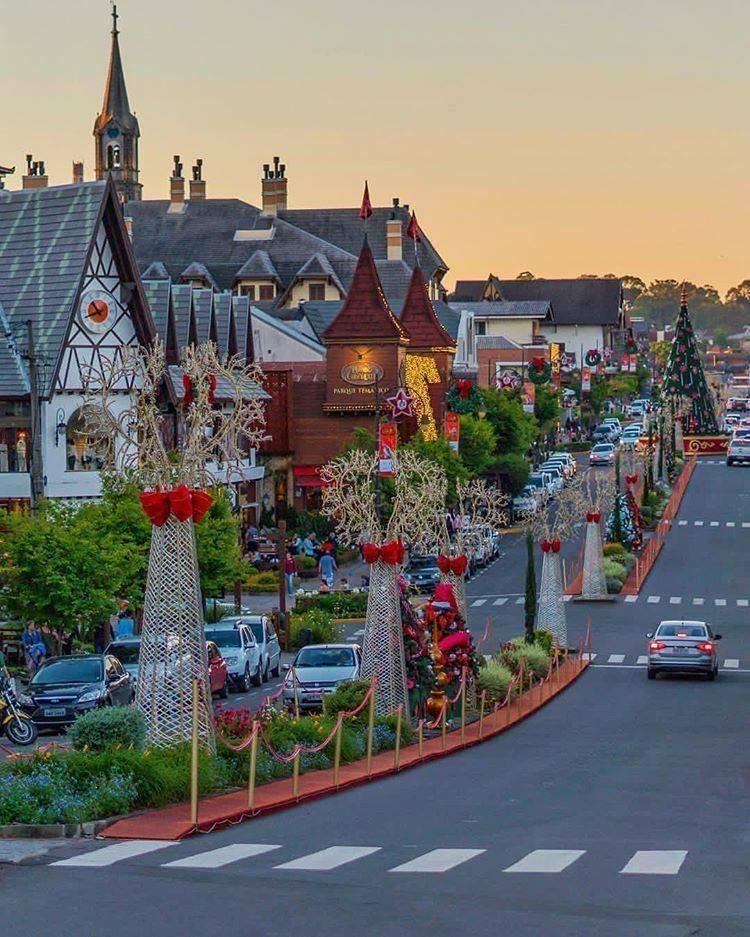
{"x": 592, "y": 357}
{"x": 463, "y": 396}
{"x": 540, "y": 371}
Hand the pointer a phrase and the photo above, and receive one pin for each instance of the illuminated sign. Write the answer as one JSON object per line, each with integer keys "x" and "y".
{"x": 362, "y": 373}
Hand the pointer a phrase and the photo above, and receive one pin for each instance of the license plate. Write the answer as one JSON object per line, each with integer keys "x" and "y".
{"x": 681, "y": 650}
{"x": 51, "y": 713}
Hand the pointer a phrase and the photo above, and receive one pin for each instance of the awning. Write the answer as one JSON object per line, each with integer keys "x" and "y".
{"x": 307, "y": 476}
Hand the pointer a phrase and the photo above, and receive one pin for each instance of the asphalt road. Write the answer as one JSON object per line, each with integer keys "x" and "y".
{"x": 620, "y": 810}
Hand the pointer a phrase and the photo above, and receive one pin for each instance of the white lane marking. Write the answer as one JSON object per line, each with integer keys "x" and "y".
{"x": 643, "y": 659}
{"x": 501, "y": 601}
{"x": 438, "y": 860}
{"x": 358, "y": 634}
{"x": 216, "y": 858}
{"x": 698, "y": 523}
{"x": 331, "y": 858}
{"x": 720, "y": 601}
{"x": 477, "y": 602}
{"x": 682, "y": 523}
{"x": 653, "y": 599}
{"x": 631, "y": 598}
{"x": 116, "y": 853}
{"x": 615, "y": 658}
{"x": 731, "y": 524}
{"x": 520, "y": 600}
{"x": 675, "y": 599}
{"x": 732, "y": 663}
{"x": 546, "y": 860}
{"x": 698, "y": 601}
{"x": 567, "y": 598}
{"x": 655, "y": 862}
{"x": 714, "y": 524}
{"x": 352, "y": 637}
{"x": 746, "y": 523}
{"x": 742, "y": 603}
{"x": 588, "y": 657}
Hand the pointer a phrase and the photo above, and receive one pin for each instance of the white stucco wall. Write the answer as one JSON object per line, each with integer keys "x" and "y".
{"x": 575, "y": 337}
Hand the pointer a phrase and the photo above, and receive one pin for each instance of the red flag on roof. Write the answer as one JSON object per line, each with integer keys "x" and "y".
{"x": 414, "y": 231}
{"x": 366, "y": 209}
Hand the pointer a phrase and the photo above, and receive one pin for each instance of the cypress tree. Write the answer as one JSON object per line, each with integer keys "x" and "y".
{"x": 529, "y": 605}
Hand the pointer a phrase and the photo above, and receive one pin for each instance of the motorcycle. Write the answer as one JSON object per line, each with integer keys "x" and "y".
{"x": 15, "y": 723}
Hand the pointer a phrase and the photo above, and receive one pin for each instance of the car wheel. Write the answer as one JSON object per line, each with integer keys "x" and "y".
{"x": 265, "y": 672}
{"x": 244, "y": 681}
{"x": 651, "y": 673}
{"x": 258, "y": 676}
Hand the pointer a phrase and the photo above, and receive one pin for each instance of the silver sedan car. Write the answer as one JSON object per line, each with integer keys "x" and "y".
{"x": 683, "y": 647}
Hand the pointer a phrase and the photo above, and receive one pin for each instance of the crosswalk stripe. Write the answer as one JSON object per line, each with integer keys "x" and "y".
{"x": 746, "y": 523}
{"x": 682, "y": 523}
{"x": 714, "y": 523}
{"x": 331, "y": 858}
{"x": 546, "y": 860}
{"x": 643, "y": 659}
{"x": 501, "y": 601}
{"x": 732, "y": 663}
{"x": 675, "y": 599}
{"x": 615, "y": 658}
{"x": 731, "y": 524}
{"x": 742, "y": 603}
{"x": 438, "y": 860}
{"x": 655, "y": 862}
{"x": 477, "y": 602}
{"x": 720, "y": 601}
{"x": 631, "y": 598}
{"x": 698, "y": 523}
{"x": 520, "y": 600}
{"x": 588, "y": 657}
{"x": 216, "y": 858}
{"x": 358, "y": 634}
{"x": 698, "y": 601}
{"x": 653, "y": 599}
{"x": 567, "y": 598}
{"x": 115, "y": 853}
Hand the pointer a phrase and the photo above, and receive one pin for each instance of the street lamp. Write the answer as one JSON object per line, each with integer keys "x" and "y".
{"x": 60, "y": 425}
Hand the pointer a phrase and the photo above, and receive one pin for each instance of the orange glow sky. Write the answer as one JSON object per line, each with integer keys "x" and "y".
{"x": 558, "y": 136}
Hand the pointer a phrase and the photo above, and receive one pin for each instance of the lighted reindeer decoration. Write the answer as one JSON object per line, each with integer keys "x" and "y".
{"x": 349, "y": 498}
{"x": 222, "y": 407}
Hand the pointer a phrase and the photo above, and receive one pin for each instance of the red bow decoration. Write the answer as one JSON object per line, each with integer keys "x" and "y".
{"x": 631, "y": 479}
{"x": 452, "y": 641}
{"x": 391, "y": 553}
{"x": 189, "y": 395}
{"x": 546, "y": 546}
{"x": 452, "y": 564}
{"x": 182, "y": 502}
{"x": 464, "y": 388}
{"x": 594, "y": 516}
{"x": 538, "y": 363}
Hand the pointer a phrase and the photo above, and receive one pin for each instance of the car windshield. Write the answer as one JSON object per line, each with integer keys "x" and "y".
{"x": 223, "y": 637}
{"x": 603, "y": 447}
{"x": 125, "y": 653}
{"x": 325, "y": 657}
{"x": 681, "y": 631}
{"x": 69, "y": 670}
{"x": 422, "y": 562}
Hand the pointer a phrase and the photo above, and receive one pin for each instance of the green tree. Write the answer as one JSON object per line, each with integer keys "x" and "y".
{"x": 219, "y": 553}
{"x": 514, "y": 428}
{"x": 514, "y": 469}
{"x": 739, "y": 294}
{"x": 529, "y": 602}
{"x": 546, "y": 408}
{"x": 439, "y": 451}
{"x": 721, "y": 338}
{"x": 659, "y": 352}
{"x": 477, "y": 444}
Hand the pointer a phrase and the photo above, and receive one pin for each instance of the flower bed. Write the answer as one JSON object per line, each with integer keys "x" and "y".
{"x": 337, "y": 604}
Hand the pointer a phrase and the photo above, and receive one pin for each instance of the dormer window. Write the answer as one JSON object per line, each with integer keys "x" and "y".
{"x": 316, "y": 292}
{"x": 266, "y": 292}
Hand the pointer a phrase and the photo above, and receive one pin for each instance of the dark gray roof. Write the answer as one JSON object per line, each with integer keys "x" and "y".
{"x": 468, "y": 291}
{"x": 241, "y": 309}
{"x": 203, "y": 307}
{"x": 447, "y": 317}
{"x": 574, "y": 302}
{"x": 528, "y": 309}
{"x": 182, "y": 298}
{"x": 116, "y": 106}
{"x": 321, "y": 314}
{"x": 198, "y": 271}
{"x": 258, "y": 266}
{"x": 45, "y": 236}
{"x": 496, "y": 341}
{"x": 155, "y": 271}
{"x": 222, "y": 317}
{"x": 318, "y": 266}
{"x": 157, "y": 294}
{"x": 14, "y": 379}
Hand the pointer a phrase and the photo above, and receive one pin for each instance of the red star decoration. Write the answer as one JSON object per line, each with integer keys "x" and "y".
{"x": 401, "y": 403}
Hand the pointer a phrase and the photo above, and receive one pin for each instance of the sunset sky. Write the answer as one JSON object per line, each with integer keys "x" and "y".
{"x": 557, "y": 136}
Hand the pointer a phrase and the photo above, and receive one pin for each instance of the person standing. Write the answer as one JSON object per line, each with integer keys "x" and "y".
{"x": 326, "y": 569}
{"x": 33, "y": 647}
{"x": 289, "y": 571}
{"x": 50, "y": 640}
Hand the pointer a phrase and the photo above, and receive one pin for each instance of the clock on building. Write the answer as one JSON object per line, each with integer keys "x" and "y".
{"x": 95, "y": 311}
{"x": 113, "y": 133}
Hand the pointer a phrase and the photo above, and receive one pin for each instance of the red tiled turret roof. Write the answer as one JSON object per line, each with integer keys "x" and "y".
{"x": 419, "y": 319}
{"x": 365, "y": 314}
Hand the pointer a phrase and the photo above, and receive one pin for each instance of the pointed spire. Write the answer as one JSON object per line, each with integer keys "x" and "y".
{"x": 419, "y": 319}
{"x": 366, "y": 208}
{"x": 366, "y": 314}
{"x": 683, "y": 296}
{"x": 116, "y": 105}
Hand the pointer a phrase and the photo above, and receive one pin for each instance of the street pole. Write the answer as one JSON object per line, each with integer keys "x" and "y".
{"x": 36, "y": 469}
{"x": 377, "y": 449}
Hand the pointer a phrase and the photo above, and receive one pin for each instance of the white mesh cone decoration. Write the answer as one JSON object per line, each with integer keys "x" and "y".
{"x": 173, "y": 643}
{"x": 594, "y": 580}
{"x": 550, "y": 614}
{"x": 383, "y": 643}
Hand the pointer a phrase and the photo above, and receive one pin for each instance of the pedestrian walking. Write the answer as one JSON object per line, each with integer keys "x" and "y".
{"x": 289, "y": 571}
{"x": 326, "y": 569}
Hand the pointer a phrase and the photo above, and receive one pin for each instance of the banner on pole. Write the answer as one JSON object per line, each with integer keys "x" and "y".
{"x": 452, "y": 429}
{"x": 585, "y": 379}
{"x": 625, "y": 363}
{"x": 387, "y": 445}
{"x": 633, "y": 363}
{"x": 528, "y": 396}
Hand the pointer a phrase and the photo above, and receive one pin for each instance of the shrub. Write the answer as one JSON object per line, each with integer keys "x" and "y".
{"x": 581, "y": 446}
{"x": 110, "y": 727}
{"x": 494, "y": 678}
{"x": 337, "y": 604}
{"x": 613, "y": 586}
{"x": 614, "y": 549}
{"x": 305, "y": 562}
{"x": 537, "y": 659}
{"x": 615, "y": 570}
{"x": 321, "y": 625}
{"x": 347, "y": 697}
{"x": 545, "y": 639}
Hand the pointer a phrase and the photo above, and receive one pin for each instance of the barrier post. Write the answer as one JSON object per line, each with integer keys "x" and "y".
{"x": 420, "y": 738}
{"x": 444, "y": 727}
{"x": 253, "y": 767}
{"x": 397, "y": 749}
{"x": 481, "y": 712}
{"x": 463, "y": 706}
{"x": 296, "y": 696}
{"x": 337, "y": 751}
{"x": 295, "y": 772}
{"x": 370, "y": 730}
{"x": 194, "y": 758}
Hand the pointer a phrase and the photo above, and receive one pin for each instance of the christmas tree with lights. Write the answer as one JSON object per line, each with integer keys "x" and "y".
{"x": 684, "y": 378}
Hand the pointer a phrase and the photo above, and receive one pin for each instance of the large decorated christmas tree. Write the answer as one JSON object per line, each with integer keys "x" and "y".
{"x": 684, "y": 378}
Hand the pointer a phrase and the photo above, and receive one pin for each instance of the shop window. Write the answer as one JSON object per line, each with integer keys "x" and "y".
{"x": 84, "y": 453}
{"x": 15, "y": 450}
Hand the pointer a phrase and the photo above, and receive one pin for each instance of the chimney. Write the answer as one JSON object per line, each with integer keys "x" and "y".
{"x": 198, "y": 183}
{"x": 36, "y": 176}
{"x": 129, "y": 227}
{"x": 177, "y": 187}
{"x": 77, "y": 173}
{"x": 393, "y": 235}
{"x": 273, "y": 187}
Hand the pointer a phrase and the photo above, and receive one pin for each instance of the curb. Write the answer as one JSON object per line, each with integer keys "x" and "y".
{"x": 173, "y": 823}
{"x": 55, "y": 830}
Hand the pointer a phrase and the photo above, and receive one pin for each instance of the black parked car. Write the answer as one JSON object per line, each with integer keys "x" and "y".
{"x": 66, "y": 687}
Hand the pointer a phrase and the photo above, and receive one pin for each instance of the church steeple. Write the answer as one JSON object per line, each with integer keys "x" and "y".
{"x": 116, "y": 130}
